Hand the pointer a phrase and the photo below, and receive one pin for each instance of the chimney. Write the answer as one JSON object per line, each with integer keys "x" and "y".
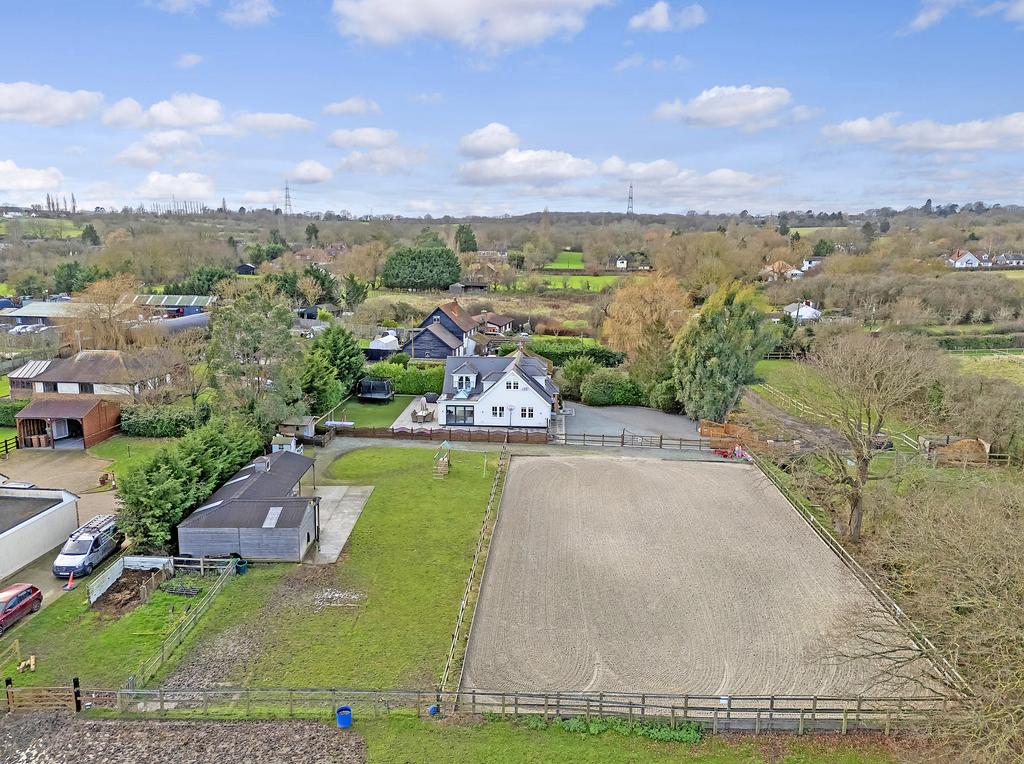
{"x": 261, "y": 464}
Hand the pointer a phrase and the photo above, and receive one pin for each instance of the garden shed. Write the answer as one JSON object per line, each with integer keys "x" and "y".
{"x": 259, "y": 514}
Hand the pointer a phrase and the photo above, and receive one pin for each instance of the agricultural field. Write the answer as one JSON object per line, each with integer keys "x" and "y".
{"x": 582, "y": 283}
{"x": 604, "y": 576}
{"x": 45, "y": 228}
{"x": 567, "y": 261}
{"x": 1012, "y": 274}
{"x": 820, "y": 232}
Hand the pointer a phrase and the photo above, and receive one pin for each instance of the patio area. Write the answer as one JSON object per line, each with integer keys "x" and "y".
{"x": 405, "y": 419}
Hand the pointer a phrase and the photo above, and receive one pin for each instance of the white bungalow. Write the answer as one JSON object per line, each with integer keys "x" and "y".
{"x": 487, "y": 391}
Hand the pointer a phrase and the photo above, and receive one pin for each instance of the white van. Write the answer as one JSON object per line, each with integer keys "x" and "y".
{"x": 88, "y": 547}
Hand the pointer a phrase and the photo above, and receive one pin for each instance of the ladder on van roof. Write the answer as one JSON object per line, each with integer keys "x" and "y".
{"x": 93, "y": 526}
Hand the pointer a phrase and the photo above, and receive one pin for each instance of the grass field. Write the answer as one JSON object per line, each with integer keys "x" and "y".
{"x": 408, "y": 557}
{"x": 373, "y": 414}
{"x": 1013, "y": 274}
{"x": 582, "y": 283}
{"x": 1009, "y": 367}
{"x": 567, "y": 261}
{"x": 5, "y": 289}
{"x": 821, "y": 231}
{"x": 5, "y": 386}
{"x": 125, "y": 451}
{"x": 408, "y": 740}
{"x": 32, "y": 228}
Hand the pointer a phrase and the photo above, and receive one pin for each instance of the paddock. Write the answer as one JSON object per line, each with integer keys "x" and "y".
{"x": 615, "y": 574}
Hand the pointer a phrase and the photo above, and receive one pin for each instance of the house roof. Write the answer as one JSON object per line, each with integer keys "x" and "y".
{"x": 239, "y": 501}
{"x": 111, "y": 367}
{"x": 960, "y": 254}
{"x": 174, "y": 300}
{"x": 29, "y": 370}
{"x": 456, "y": 313}
{"x": 492, "y": 368}
{"x": 252, "y": 513}
{"x": 442, "y": 334}
{"x": 58, "y": 408}
{"x": 48, "y": 309}
{"x": 493, "y": 318}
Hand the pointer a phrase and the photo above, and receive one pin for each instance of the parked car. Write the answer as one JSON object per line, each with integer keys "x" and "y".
{"x": 88, "y": 546}
{"x": 16, "y": 602}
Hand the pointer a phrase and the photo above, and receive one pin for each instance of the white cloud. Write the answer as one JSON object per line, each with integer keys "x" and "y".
{"x": 248, "y": 13}
{"x": 677, "y": 63}
{"x": 664, "y": 181}
{"x": 492, "y": 25}
{"x": 179, "y": 6}
{"x": 188, "y": 60}
{"x": 488, "y": 141}
{"x": 353, "y": 105}
{"x": 272, "y": 122}
{"x": 76, "y": 150}
{"x": 180, "y": 110}
{"x": 14, "y": 178}
{"x": 661, "y": 18}
{"x": 1000, "y": 133}
{"x": 185, "y": 185}
{"x": 157, "y": 146}
{"x": 730, "y": 106}
{"x": 268, "y": 198}
{"x": 45, "y": 105}
{"x": 931, "y": 12}
{"x": 383, "y": 161}
{"x": 310, "y": 171}
{"x": 363, "y": 138}
{"x": 428, "y": 98}
{"x": 525, "y": 166}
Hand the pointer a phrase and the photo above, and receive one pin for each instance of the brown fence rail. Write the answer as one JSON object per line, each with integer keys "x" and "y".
{"x": 717, "y": 713}
{"x": 448, "y": 433}
{"x": 626, "y": 439}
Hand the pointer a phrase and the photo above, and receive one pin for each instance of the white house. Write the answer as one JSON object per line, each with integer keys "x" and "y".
{"x": 964, "y": 259}
{"x": 811, "y": 262}
{"x": 488, "y": 391}
{"x": 622, "y": 263}
{"x": 803, "y": 311}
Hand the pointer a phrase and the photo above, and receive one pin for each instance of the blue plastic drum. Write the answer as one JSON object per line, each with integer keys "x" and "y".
{"x": 344, "y": 717}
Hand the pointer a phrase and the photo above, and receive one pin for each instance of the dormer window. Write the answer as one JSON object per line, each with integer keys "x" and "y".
{"x": 463, "y": 382}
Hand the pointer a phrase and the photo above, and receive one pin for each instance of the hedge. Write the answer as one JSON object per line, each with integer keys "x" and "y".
{"x": 607, "y": 387}
{"x": 151, "y": 421}
{"x": 560, "y": 351}
{"x": 415, "y": 379}
{"x": 982, "y": 342}
{"x": 8, "y": 410}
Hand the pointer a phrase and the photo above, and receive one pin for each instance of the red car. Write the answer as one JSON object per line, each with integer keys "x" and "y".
{"x": 16, "y": 602}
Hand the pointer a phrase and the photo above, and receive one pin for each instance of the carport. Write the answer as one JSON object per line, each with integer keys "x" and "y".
{"x": 72, "y": 423}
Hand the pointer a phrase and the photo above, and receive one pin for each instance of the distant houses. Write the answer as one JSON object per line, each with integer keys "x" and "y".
{"x": 447, "y": 331}
{"x": 963, "y": 259}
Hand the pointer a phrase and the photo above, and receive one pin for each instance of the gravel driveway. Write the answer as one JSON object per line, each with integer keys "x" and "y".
{"x": 612, "y": 420}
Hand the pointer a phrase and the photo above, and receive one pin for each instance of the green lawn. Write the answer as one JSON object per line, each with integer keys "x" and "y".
{"x": 408, "y": 740}
{"x": 823, "y": 232}
{"x": 373, "y": 414}
{"x": 5, "y": 386}
{"x": 567, "y": 261}
{"x": 125, "y": 451}
{"x": 408, "y": 556}
{"x": 8, "y": 432}
{"x": 5, "y": 289}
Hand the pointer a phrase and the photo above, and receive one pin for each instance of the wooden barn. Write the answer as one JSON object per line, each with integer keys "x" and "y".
{"x": 79, "y": 422}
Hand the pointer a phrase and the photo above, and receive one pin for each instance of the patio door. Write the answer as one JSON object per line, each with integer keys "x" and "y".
{"x": 456, "y": 415}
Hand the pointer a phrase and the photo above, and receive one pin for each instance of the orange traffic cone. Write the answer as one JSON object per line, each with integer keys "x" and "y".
{"x": 71, "y": 582}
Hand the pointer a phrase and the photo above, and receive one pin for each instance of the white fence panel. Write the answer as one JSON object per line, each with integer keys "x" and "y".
{"x": 105, "y": 579}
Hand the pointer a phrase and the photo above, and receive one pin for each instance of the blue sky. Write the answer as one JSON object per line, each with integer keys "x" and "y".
{"x": 494, "y": 106}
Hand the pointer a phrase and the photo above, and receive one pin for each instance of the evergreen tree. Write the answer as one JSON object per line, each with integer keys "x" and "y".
{"x": 420, "y": 268}
{"x": 716, "y": 352}
{"x": 343, "y": 354}
{"x": 465, "y": 239}
{"x": 89, "y": 235}
{"x": 320, "y": 387}
{"x": 353, "y": 291}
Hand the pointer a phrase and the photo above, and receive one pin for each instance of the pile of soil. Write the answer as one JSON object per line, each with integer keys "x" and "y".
{"x": 123, "y": 594}
{"x": 53, "y": 739}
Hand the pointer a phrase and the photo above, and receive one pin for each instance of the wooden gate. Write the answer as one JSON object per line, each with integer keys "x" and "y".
{"x": 28, "y": 699}
{"x": 632, "y": 440}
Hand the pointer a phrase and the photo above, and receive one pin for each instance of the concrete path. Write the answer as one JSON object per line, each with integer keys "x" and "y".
{"x": 340, "y": 507}
{"x": 612, "y": 420}
{"x": 40, "y": 573}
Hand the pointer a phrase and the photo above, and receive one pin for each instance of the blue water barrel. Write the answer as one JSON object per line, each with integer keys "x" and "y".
{"x": 434, "y": 710}
{"x": 241, "y": 567}
{"x": 344, "y": 716}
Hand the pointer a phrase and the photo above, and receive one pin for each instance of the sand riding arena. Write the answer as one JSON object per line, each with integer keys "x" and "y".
{"x": 614, "y": 574}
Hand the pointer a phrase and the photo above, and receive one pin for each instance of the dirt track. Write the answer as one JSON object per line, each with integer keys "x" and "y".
{"x": 638, "y": 575}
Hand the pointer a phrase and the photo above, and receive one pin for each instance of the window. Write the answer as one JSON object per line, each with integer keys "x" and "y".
{"x": 458, "y": 415}
{"x": 49, "y": 387}
{"x": 22, "y": 384}
{"x": 512, "y": 384}
{"x": 526, "y": 412}
{"x": 437, "y": 319}
{"x": 497, "y": 411}
{"x": 463, "y": 382}
{"x": 86, "y": 387}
